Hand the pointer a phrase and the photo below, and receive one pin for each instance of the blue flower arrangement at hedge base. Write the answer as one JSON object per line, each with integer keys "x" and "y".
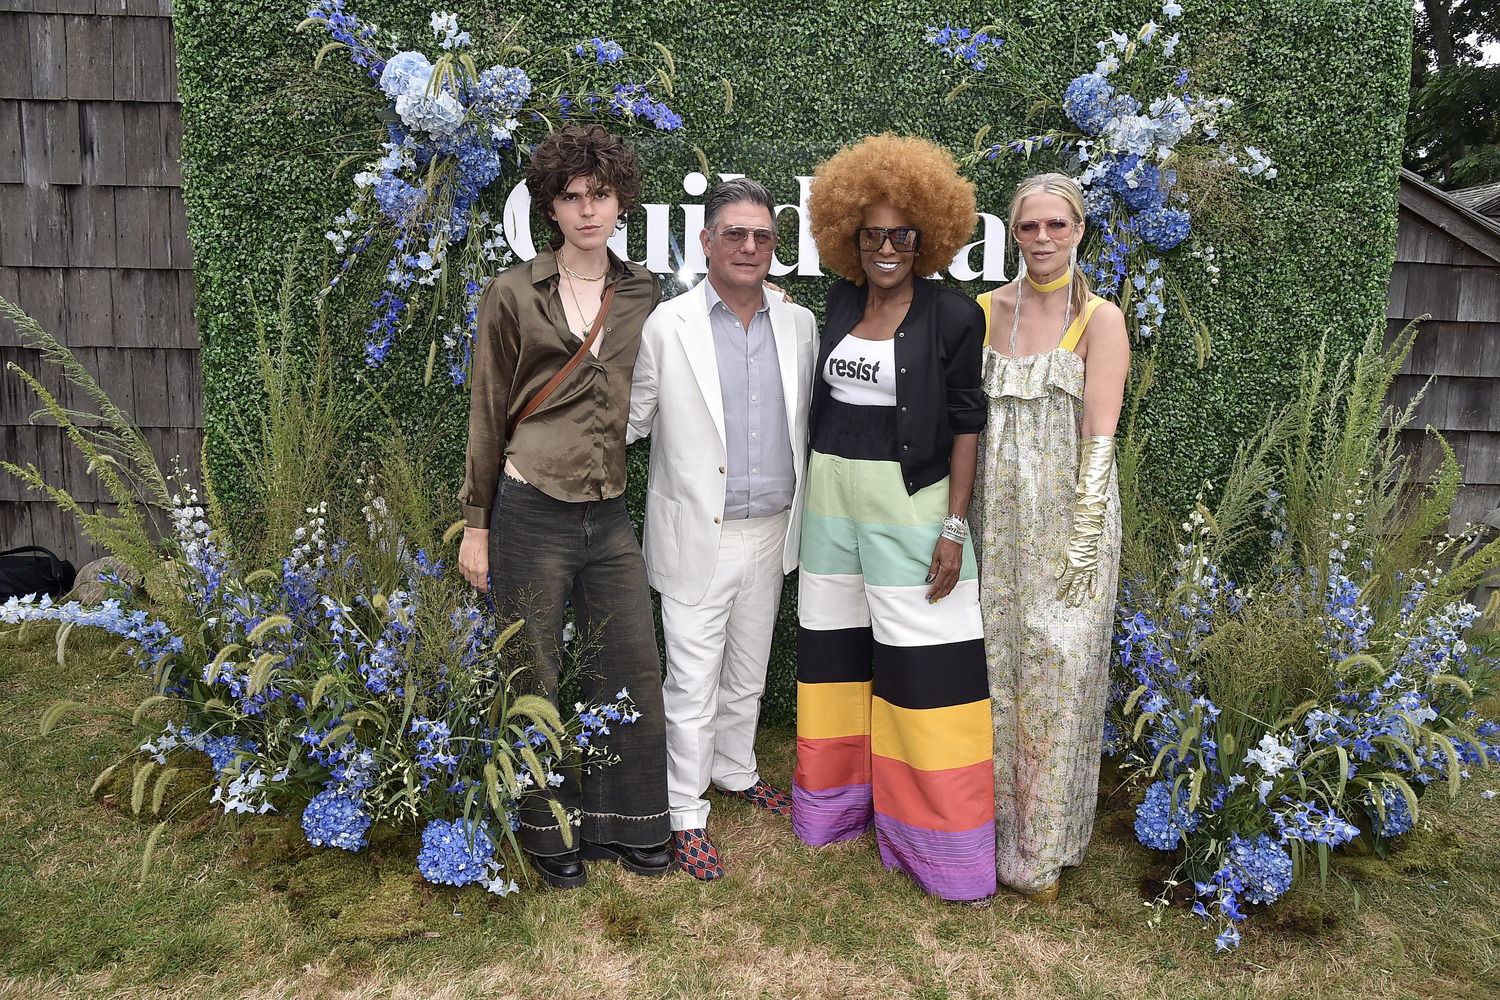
{"x": 1275, "y": 720}
{"x": 451, "y": 132}
{"x": 321, "y": 686}
{"x": 1140, "y": 157}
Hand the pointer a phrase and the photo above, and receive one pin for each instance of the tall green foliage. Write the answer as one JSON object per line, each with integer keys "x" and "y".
{"x": 769, "y": 91}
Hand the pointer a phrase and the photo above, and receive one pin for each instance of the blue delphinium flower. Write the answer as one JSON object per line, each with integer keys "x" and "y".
{"x": 434, "y": 749}
{"x": 447, "y": 856}
{"x": 348, "y": 29}
{"x": 1304, "y": 821}
{"x": 1396, "y": 818}
{"x": 445, "y": 30}
{"x": 150, "y": 639}
{"x": 382, "y": 329}
{"x": 963, "y": 44}
{"x": 604, "y": 51}
{"x": 336, "y": 819}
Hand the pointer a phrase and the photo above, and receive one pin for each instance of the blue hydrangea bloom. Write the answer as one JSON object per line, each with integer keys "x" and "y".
{"x": 222, "y": 750}
{"x": 501, "y": 89}
{"x": 446, "y": 856}
{"x": 1089, "y": 103}
{"x": 336, "y": 819}
{"x": 1165, "y": 228}
{"x": 1098, "y": 204}
{"x": 1264, "y": 867}
{"x": 1158, "y": 824}
{"x": 439, "y": 115}
{"x": 406, "y": 73}
{"x": 1138, "y": 184}
{"x": 398, "y": 199}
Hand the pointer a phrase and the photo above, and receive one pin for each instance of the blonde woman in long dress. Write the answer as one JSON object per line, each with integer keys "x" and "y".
{"x": 1046, "y": 518}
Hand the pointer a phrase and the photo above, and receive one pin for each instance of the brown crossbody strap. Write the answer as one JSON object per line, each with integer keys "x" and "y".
{"x": 567, "y": 369}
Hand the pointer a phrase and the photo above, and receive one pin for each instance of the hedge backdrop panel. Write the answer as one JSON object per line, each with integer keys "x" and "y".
{"x": 1321, "y": 87}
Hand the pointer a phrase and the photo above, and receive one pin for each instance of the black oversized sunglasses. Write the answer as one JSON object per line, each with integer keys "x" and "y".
{"x": 904, "y": 239}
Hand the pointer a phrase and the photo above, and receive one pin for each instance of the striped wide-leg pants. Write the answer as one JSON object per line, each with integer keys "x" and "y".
{"x": 893, "y": 708}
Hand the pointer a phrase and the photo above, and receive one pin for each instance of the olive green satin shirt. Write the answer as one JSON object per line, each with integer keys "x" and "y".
{"x": 573, "y": 447}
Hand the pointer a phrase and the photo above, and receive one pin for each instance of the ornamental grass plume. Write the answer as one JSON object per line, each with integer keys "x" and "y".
{"x": 1304, "y": 665}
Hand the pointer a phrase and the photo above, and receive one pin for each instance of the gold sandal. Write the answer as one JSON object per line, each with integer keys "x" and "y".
{"x": 1043, "y": 897}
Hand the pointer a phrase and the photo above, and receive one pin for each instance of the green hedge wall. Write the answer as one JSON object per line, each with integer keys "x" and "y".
{"x": 1320, "y": 86}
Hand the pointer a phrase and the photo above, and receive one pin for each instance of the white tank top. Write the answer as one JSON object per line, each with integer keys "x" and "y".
{"x": 862, "y": 372}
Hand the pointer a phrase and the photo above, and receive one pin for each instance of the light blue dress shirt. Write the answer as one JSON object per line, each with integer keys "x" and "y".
{"x": 761, "y": 474}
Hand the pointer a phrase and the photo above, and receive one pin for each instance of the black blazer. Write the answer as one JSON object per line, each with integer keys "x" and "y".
{"x": 939, "y": 368}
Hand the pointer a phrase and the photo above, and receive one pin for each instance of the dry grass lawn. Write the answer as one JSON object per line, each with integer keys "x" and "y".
{"x": 245, "y": 909}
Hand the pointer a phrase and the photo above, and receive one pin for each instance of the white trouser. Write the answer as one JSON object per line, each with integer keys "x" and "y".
{"x": 717, "y": 651}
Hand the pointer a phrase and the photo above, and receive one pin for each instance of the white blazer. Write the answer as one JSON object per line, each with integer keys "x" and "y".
{"x": 675, "y": 400}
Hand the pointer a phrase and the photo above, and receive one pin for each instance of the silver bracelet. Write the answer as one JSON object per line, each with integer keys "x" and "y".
{"x": 955, "y": 529}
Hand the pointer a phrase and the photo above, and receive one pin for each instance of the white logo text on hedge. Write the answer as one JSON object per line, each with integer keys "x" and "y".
{"x": 660, "y": 250}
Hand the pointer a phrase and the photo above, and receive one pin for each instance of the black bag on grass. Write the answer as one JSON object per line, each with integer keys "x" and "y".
{"x": 31, "y": 569}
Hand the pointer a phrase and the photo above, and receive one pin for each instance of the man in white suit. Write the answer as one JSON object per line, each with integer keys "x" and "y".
{"x": 722, "y": 385}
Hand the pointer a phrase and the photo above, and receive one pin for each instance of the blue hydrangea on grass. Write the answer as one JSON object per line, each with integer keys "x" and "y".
{"x": 1264, "y": 867}
{"x": 336, "y": 819}
{"x": 1158, "y": 824}
{"x": 446, "y": 856}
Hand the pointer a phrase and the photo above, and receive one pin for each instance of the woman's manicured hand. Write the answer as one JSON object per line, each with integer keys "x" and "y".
{"x": 947, "y": 560}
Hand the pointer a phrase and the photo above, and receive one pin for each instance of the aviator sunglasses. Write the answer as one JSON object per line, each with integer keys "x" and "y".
{"x": 904, "y": 239}
{"x": 1029, "y": 230}
{"x": 734, "y": 237}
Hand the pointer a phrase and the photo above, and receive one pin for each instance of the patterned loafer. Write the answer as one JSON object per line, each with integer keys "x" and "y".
{"x": 768, "y": 797}
{"x": 696, "y": 855}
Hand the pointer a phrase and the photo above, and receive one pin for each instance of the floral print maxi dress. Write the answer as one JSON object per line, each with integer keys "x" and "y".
{"x": 1048, "y": 661}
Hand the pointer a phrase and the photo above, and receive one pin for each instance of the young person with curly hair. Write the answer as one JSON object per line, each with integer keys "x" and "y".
{"x": 1046, "y": 517}
{"x": 544, "y": 501}
{"x": 893, "y": 707}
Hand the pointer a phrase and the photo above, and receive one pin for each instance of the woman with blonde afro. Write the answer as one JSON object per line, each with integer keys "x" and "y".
{"x": 893, "y": 708}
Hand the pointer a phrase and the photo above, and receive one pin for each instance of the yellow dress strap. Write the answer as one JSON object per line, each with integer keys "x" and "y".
{"x": 983, "y": 298}
{"x": 1080, "y": 323}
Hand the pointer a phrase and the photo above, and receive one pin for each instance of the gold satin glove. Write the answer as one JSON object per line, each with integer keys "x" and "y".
{"x": 1080, "y": 575}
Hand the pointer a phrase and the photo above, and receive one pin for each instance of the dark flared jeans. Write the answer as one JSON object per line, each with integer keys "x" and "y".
{"x": 543, "y": 553}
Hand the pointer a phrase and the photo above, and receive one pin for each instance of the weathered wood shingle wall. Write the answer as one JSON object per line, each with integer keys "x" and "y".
{"x": 93, "y": 238}
{"x": 1448, "y": 268}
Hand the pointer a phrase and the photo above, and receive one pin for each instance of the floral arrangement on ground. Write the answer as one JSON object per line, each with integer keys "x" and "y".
{"x": 352, "y": 678}
{"x": 1307, "y": 667}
